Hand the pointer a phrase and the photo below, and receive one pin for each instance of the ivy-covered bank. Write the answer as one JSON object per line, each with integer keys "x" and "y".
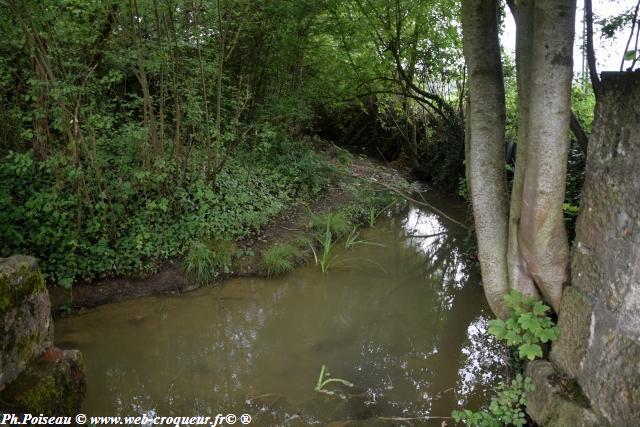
{"x": 211, "y": 230}
{"x": 117, "y": 219}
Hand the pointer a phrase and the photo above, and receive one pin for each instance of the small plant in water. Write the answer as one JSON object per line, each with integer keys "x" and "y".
{"x": 323, "y": 381}
{"x": 354, "y": 239}
{"x": 375, "y": 213}
{"x": 324, "y": 259}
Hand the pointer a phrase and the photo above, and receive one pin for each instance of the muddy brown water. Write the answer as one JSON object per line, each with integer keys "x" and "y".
{"x": 405, "y": 323}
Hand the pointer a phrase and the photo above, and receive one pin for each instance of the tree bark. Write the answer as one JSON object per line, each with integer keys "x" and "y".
{"x": 542, "y": 236}
{"x": 519, "y": 277}
{"x": 485, "y": 138}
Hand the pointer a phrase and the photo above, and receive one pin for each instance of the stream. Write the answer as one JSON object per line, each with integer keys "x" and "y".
{"x": 406, "y": 323}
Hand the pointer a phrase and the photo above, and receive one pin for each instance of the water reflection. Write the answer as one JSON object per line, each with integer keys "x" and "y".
{"x": 410, "y": 335}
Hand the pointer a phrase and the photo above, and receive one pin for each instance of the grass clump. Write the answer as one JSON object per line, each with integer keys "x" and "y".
{"x": 336, "y": 222}
{"x": 205, "y": 261}
{"x": 279, "y": 259}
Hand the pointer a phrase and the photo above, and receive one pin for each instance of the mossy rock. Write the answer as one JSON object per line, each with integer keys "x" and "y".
{"x": 19, "y": 278}
{"x": 26, "y": 327}
{"x": 50, "y": 386}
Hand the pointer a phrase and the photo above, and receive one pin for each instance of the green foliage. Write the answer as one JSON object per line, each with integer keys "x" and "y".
{"x": 324, "y": 258}
{"x": 368, "y": 204}
{"x": 129, "y": 132}
{"x": 528, "y": 327}
{"x": 354, "y": 239}
{"x": 506, "y": 407}
{"x": 204, "y": 262}
{"x": 336, "y": 223}
{"x": 278, "y": 259}
{"x": 119, "y": 218}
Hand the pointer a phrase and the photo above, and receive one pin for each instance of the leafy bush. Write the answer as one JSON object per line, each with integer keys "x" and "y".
{"x": 506, "y": 408}
{"x": 278, "y": 259}
{"x": 527, "y": 328}
{"x": 119, "y": 217}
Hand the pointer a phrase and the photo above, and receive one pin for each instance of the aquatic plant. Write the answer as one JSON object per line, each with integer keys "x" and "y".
{"x": 354, "y": 239}
{"x": 323, "y": 382}
{"x": 375, "y": 212}
{"x": 324, "y": 258}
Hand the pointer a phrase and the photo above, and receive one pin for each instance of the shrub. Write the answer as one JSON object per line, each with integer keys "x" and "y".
{"x": 506, "y": 408}
{"x": 528, "y": 327}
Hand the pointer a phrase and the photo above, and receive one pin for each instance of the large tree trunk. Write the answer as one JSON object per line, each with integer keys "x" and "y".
{"x": 485, "y": 138}
{"x": 519, "y": 277}
{"x": 542, "y": 236}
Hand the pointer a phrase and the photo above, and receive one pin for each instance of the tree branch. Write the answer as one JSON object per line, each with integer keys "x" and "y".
{"x": 591, "y": 56}
{"x": 579, "y": 132}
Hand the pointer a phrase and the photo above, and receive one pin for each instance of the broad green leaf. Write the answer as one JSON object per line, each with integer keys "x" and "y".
{"x": 497, "y": 328}
{"x": 530, "y": 351}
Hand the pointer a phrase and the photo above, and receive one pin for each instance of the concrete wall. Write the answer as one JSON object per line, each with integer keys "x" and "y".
{"x": 599, "y": 343}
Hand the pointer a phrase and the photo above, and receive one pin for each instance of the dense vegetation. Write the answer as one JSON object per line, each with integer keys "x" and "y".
{"x": 135, "y": 132}
{"x": 132, "y": 129}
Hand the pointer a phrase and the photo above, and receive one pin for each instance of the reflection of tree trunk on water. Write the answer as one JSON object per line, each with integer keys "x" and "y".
{"x": 452, "y": 338}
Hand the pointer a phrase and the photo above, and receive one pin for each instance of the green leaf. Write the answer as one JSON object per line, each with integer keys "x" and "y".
{"x": 546, "y": 335}
{"x": 539, "y": 308}
{"x": 513, "y": 299}
{"x": 497, "y": 328}
{"x": 65, "y": 282}
{"x": 513, "y": 338}
{"x": 630, "y": 55}
{"x": 530, "y": 351}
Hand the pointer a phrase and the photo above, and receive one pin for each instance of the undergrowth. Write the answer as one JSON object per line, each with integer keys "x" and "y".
{"x": 120, "y": 218}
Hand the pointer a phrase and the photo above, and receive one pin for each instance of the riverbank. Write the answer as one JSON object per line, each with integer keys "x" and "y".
{"x": 353, "y": 177}
{"x": 401, "y": 317}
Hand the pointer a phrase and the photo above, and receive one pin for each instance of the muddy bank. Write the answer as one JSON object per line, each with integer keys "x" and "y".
{"x": 170, "y": 277}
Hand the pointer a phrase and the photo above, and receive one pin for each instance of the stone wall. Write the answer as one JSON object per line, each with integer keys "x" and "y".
{"x": 599, "y": 343}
